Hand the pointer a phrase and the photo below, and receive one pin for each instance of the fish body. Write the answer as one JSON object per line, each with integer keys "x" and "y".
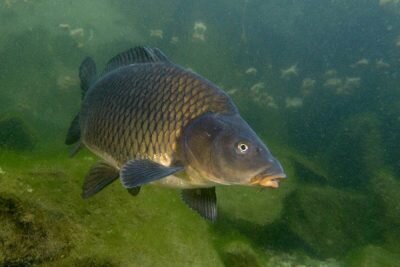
{"x": 152, "y": 121}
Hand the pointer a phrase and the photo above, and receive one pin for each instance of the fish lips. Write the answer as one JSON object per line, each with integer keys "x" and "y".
{"x": 269, "y": 178}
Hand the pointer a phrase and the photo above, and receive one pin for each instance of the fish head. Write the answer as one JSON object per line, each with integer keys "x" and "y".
{"x": 226, "y": 150}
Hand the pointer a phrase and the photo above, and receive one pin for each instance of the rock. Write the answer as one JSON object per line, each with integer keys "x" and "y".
{"x": 386, "y": 189}
{"x": 372, "y": 256}
{"x": 330, "y": 221}
{"x": 239, "y": 254}
{"x": 27, "y": 237}
{"x": 15, "y": 134}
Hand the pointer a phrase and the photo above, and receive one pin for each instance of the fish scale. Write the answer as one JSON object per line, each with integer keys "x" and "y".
{"x": 141, "y": 114}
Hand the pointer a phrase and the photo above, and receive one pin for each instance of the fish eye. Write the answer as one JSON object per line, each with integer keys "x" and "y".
{"x": 242, "y": 147}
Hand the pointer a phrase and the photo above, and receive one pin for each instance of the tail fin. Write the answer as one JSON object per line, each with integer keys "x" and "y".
{"x": 87, "y": 74}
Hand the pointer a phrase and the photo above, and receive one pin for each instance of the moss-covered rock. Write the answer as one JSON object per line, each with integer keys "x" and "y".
{"x": 239, "y": 254}
{"x": 329, "y": 221}
{"x": 386, "y": 189}
{"x": 15, "y": 134}
{"x": 372, "y": 256}
{"x": 29, "y": 235}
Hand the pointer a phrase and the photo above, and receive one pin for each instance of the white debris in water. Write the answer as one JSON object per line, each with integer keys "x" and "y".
{"x": 333, "y": 82}
{"x": 77, "y": 32}
{"x": 232, "y": 91}
{"x": 330, "y": 73}
{"x": 380, "y": 64}
{"x": 29, "y": 190}
{"x": 199, "y": 31}
{"x": 251, "y": 71}
{"x": 343, "y": 86}
{"x": 157, "y": 33}
{"x": 290, "y": 71}
{"x": 2, "y": 172}
{"x": 64, "y": 26}
{"x": 293, "y": 102}
{"x": 174, "y": 40}
{"x": 257, "y": 87}
{"x": 350, "y": 83}
{"x": 307, "y": 86}
{"x": 360, "y": 63}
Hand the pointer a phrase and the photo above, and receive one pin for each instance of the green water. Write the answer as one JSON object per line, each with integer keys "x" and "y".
{"x": 317, "y": 80}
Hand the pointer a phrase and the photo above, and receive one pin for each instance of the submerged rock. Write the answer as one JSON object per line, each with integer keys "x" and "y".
{"x": 240, "y": 258}
{"x": 372, "y": 256}
{"x": 15, "y": 134}
{"x": 386, "y": 189}
{"x": 329, "y": 221}
{"x": 27, "y": 237}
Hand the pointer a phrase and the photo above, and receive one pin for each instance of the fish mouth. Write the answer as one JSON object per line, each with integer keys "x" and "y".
{"x": 271, "y": 180}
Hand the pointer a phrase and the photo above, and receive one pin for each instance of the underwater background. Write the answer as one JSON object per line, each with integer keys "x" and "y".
{"x": 318, "y": 80}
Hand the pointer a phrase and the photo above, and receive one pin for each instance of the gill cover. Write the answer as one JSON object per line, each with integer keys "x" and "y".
{"x": 225, "y": 150}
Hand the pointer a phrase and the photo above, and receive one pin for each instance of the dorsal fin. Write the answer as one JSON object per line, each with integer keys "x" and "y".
{"x": 136, "y": 55}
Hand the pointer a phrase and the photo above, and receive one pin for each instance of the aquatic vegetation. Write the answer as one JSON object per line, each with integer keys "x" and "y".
{"x": 372, "y": 255}
{"x": 27, "y": 234}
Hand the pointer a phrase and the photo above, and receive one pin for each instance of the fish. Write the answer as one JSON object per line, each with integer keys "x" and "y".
{"x": 151, "y": 121}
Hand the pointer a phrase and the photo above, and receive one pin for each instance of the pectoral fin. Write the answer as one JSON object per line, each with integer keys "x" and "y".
{"x": 202, "y": 200}
{"x": 99, "y": 176}
{"x": 138, "y": 172}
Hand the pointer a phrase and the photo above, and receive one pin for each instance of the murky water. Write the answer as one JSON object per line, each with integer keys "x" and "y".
{"x": 317, "y": 80}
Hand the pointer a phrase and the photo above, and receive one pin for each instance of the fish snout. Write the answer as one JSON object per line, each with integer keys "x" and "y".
{"x": 271, "y": 176}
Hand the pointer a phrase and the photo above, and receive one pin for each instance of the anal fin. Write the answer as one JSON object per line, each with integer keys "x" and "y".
{"x": 202, "y": 200}
{"x": 99, "y": 176}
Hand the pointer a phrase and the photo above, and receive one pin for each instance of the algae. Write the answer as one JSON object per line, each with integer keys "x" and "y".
{"x": 15, "y": 134}
{"x": 28, "y": 235}
{"x": 372, "y": 256}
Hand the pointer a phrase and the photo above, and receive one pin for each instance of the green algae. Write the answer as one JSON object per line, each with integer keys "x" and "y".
{"x": 115, "y": 229}
{"x": 372, "y": 256}
{"x": 15, "y": 134}
{"x": 28, "y": 235}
